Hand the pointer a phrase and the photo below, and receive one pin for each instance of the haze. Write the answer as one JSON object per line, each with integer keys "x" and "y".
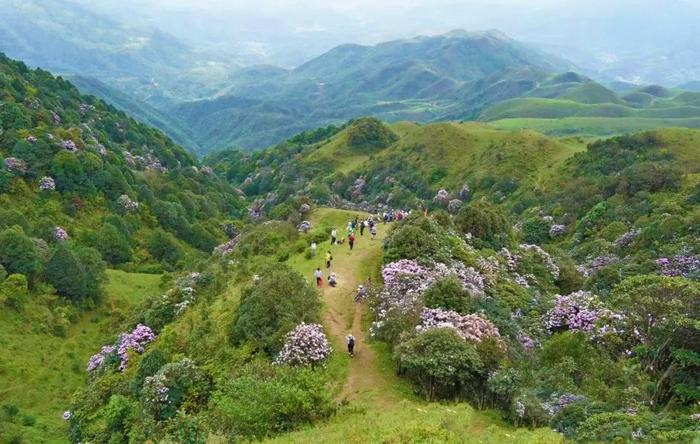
{"x": 593, "y": 34}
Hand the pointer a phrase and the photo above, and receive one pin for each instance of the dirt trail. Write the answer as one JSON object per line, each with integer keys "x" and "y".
{"x": 343, "y": 316}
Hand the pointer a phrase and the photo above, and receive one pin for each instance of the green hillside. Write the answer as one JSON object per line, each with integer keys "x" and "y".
{"x": 138, "y": 110}
{"x": 95, "y": 207}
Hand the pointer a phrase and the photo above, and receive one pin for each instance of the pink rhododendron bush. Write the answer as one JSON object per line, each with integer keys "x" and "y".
{"x": 523, "y": 328}
{"x": 305, "y": 345}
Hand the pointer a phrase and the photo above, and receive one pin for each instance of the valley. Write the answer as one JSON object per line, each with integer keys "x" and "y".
{"x": 524, "y": 228}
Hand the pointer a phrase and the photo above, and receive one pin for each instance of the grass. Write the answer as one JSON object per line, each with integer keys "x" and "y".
{"x": 377, "y": 405}
{"x": 592, "y": 126}
{"x": 39, "y": 371}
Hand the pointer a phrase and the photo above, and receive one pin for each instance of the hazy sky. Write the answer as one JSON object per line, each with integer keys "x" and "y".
{"x": 289, "y": 32}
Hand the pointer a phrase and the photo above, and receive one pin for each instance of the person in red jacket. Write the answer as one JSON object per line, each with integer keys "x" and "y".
{"x": 351, "y": 241}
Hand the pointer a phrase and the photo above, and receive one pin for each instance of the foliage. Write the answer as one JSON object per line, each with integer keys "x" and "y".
{"x": 439, "y": 360}
{"x": 486, "y": 222}
{"x": 277, "y": 301}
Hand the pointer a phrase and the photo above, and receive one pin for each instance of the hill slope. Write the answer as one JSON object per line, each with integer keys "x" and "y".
{"x": 416, "y": 79}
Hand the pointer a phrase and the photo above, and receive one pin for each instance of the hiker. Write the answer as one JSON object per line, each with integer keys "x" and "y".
{"x": 341, "y": 241}
{"x": 334, "y": 236}
{"x": 361, "y": 293}
{"x": 351, "y": 345}
{"x": 313, "y": 248}
{"x": 373, "y": 231}
{"x": 329, "y": 258}
{"x": 386, "y": 217}
{"x": 351, "y": 241}
{"x": 319, "y": 277}
{"x": 350, "y": 228}
{"x": 332, "y": 280}
{"x": 362, "y": 227}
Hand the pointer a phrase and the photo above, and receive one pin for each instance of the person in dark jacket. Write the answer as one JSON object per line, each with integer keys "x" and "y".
{"x": 351, "y": 345}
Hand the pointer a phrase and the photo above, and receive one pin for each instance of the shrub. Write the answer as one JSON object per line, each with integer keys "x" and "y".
{"x": 114, "y": 247}
{"x": 439, "y": 361}
{"x": 66, "y": 274}
{"x": 449, "y": 294}
{"x": 277, "y": 301}
{"x": 18, "y": 253}
{"x": 535, "y": 230}
{"x": 265, "y": 403}
{"x": 164, "y": 247}
{"x": 15, "y": 290}
{"x": 369, "y": 133}
{"x": 486, "y": 222}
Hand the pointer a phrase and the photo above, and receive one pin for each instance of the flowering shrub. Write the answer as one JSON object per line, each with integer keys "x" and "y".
{"x": 597, "y": 264}
{"x": 135, "y": 341}
{"x": 442, "y": 197}
{"x": 55, "y": 118}
{"x": 69, "y": 145}
{"x": 576, "y": 311}
{"x": 67, "y": 415}
{"x": 465, "y": 192}
{"x": 471, "y": 327}
{"x": 60, "y": 234}
{"x": 228, "y": 247}
{"x": 557, "y": 403}
{"x": 304, "y": 226}
{"x": 126, "y": 204}
{"x": 626, "y": 239}
{"x": 557, "y": 230}
{"x": 98, "y": 359}
{"x": 405, "y": 281}
{"x": 164, "y": 392}
{"x": 681, "y": 265}
{"x": 15, "y": 164}
{"x": 47, "y": 184}
{"x": 207, "y": 170}
{"x": 454, "y": 206}
{"x": 304, "y": 208}
{"x": 305, "y": 345}
{"x": 545, "y": 257}
{"x": 31, "y": 139}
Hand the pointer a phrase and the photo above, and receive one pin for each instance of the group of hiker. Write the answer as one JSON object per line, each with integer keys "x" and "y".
{"x": 354, "y": 225}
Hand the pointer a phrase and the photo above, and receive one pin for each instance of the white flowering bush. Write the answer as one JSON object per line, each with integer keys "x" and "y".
{"x": 126, "y": 204}
{"x": 47, "y": 184}
{"x": 306, "y": 345}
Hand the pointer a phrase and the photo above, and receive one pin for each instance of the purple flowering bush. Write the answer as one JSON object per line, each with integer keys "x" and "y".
{"x": 680, "y": 265}
{"x": 306, "y": 345}
{"x": 576, "y": 311}
{"x": 47, "y": 184}
{"x": 135, "y": 341}
{"x": 471, "y": 327}
{"x": 59, "y": 234}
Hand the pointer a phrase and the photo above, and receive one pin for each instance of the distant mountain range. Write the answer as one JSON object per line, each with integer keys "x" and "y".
{"x": 206, "y": 103}
{"x": 422, "y": 79}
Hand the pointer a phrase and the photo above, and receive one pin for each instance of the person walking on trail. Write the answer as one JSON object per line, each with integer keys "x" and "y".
{"x": 329, "y": 259}
{"x": 351, "y": 345}
{"x": 373, "y": 231}
{"x": 361, "y": 293}
{"x": 351, "y": 241}
{"x": 332, "y": 280}
{"x": 319, "y": 278}
{"x": 362, "y": 227}
{"x": 314, "y": 247}
{"x": 334, "y": 236}
{"x": 350, "y": 228}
